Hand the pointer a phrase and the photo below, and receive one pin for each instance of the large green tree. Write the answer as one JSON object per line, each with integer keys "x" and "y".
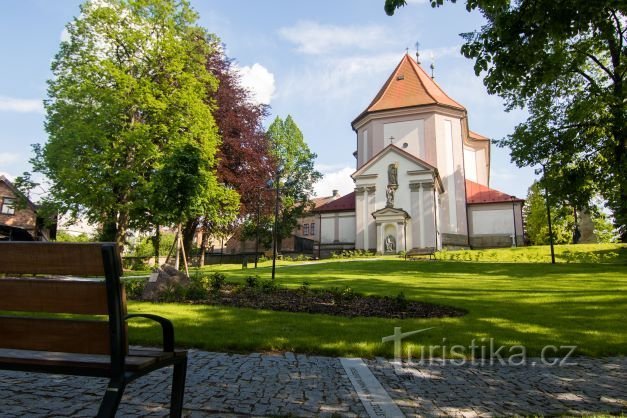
{"x": 294, "y": 172}
{"x": 132, "y": 140}
{"x": 566, "y": 62}
{"x": 536, "y": 221}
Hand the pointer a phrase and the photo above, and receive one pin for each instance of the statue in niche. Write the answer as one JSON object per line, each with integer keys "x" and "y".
{"x": 390, "y": 244}
{"x": 389, "y": 196}
{"x": 393, "y": 174}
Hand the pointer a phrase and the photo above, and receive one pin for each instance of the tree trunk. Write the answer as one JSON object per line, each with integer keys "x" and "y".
{"x": 188, "y": 233}
{"x": 122, "y": 228}
{"x": 156, "y": 242}
{"x": 203, "y": 243}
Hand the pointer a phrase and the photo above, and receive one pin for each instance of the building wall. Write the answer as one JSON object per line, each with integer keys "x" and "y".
{"x": 415, "y": 127}
{"x": 450, "y": 158}
{"x": 23, "y": 218}
{"x": 338, "y": 227}
{"x": 492, "y": 225}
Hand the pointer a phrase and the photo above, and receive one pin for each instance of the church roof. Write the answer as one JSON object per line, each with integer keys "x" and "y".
{"x": 476, "y": 136}
{"x": 478, "y": 193}
{"x": 343, "y": 204}
{"x": 409, "y": 85}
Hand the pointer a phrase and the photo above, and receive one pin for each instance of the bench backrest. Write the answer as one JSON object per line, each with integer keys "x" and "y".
{"x": 30, "y": 298}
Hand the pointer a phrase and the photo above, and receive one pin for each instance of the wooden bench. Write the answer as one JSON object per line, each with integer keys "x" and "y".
{"x": 419, "y": 252}
{"x": 91, "y": 342}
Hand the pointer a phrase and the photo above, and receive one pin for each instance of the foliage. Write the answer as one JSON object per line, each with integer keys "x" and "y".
{"x": 352, "y": 254}
{"x": 143, "y": 247}
{"x": 252, "y": 281}
{"x": 217, "y": 281}
{"x": 243, "y": 161}
{"x": 566, "y": 63}
{"x": 134, "y": 288}
{"x": 63, "y": 236}
{"x": 127, "y": 117}
{"x": 294, "y": 173}
{"x": 536, "y": 221}
{"x": 401, "y": 300}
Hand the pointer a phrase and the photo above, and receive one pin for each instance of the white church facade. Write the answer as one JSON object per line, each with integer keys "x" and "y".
{"x": 422, "y": 177}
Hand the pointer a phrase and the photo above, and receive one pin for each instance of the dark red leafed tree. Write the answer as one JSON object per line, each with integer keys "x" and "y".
{"x": 244, "y": 163}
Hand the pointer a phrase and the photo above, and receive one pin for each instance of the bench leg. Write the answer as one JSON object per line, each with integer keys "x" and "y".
{"x": 111, "y": 400}
{"x": 178, "y": 388}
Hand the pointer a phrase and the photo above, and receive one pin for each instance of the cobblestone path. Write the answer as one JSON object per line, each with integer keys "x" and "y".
{"x": 230, "y": 385}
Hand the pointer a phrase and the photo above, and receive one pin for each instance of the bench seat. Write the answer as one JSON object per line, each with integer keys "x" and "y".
{"x": 84, "y": 364}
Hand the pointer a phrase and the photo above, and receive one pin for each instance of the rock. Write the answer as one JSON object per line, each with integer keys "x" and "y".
{"x": 167, "y": 278}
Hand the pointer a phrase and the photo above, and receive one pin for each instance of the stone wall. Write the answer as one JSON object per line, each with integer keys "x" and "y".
{"x": 494, "y": 241}
{"x": 454, "y": 240}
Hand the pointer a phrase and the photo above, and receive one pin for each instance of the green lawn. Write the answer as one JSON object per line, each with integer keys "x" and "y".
{"x": 526, "y": 303}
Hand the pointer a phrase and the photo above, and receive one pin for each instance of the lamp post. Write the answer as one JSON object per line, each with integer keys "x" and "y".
{"x": 257, "y": 233}
{"x": 276, "y": 219}
{"x": 548, "y": 213}
{"x": 514, "y": 241}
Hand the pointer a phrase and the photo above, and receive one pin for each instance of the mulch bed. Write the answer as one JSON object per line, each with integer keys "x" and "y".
{"x": 338, "y": 302}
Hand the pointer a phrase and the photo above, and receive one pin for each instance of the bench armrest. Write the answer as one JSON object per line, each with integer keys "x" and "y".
{"x": 166, "y": 327}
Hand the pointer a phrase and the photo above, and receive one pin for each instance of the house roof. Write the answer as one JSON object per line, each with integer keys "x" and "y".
{"x": 343, "y": 204}
{"x": 17, "y": 193}
{"x": 321, "y": 201}
{"x": 477, "y": 193}
{"x": 409, "y": 85}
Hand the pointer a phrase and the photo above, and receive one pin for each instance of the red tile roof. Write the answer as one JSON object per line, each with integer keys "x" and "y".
{"x": 409, "y": 85}
{"x": 343, "y": 204}
{"x": 478, "y": 193}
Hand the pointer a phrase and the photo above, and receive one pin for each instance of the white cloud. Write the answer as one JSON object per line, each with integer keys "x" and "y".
{"x": 336, "y": 180}
{"x": 340, "y": 79}
{"x": 315, "y": 38}
{"x": 259, "y": 81}
{"x": 8, "y": 157}
{"x": 11, "y": 104}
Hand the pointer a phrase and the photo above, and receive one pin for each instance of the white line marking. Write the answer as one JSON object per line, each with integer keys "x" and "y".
{"x": 376, "y": 400}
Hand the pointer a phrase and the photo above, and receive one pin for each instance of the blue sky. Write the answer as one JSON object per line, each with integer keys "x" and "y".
{"x": 320, "y": 61}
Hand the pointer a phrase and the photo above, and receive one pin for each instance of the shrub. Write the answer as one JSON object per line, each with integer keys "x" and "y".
{"x": 269, "y": 286}
{"x": 134, "y": 288}
{"x": 196, "y": 291}
{"x": 216, "y": 281}
{"x": 400, "y": 300}
{"x": 252, "y": 281}
{"x": 305, "y": 287}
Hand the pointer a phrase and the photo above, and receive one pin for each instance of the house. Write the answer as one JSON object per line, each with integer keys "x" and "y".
{"x": 20, "y": 222}
{"x": 422, "y": 176}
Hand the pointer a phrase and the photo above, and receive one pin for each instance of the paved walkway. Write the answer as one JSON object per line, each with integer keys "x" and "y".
{"x": 298, "y": 385}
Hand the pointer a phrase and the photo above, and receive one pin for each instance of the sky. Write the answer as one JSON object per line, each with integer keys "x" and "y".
{"x": 320, "y": 61}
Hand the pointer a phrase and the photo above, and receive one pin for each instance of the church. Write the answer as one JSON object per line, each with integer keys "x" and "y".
{"x": 422, "y": 178}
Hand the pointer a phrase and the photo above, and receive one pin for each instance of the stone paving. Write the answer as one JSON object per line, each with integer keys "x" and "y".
{"x": 234, "y": 385}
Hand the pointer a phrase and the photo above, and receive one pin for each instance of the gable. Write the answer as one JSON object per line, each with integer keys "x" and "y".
{"x": 373, "y": 166}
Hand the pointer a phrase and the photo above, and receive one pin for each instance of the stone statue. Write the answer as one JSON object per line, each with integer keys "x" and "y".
{"x": 389, "y": 196}
{"x": 393, "y": 174}
{"x": 390, "y": 244}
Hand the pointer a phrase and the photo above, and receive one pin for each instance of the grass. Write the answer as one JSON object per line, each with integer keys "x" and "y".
{"x": 527, "y": 303}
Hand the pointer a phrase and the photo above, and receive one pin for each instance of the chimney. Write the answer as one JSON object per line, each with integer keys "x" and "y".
{"x": 336, "y": 193}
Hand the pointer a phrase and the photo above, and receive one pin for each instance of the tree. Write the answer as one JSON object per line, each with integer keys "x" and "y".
{"x": 244, "y": 163}
{"x": 132, "y": 140}
{"x": 566, "y": 62}
{"x": 536, "y": 222}
{"x": 294, "y": 173}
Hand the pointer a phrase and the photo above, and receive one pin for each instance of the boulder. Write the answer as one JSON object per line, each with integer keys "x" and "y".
{"x": 167, "y": 278}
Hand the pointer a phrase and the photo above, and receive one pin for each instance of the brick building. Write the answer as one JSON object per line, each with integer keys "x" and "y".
{"x": 20, "y": 222}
